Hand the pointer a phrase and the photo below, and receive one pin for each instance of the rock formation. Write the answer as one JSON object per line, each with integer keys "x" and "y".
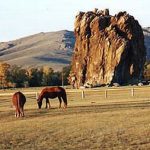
{"x": 146, "y": 32}
{"x": 108, "y": 49}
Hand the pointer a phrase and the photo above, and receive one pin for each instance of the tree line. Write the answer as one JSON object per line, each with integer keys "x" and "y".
{"x": 16, "y": 76}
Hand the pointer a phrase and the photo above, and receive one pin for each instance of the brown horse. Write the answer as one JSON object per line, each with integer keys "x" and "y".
{"x": 52, "y": 92}
{"x": 18, "y": 101}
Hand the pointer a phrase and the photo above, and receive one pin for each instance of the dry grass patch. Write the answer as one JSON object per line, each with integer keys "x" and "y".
{"x": 85, "y": 124}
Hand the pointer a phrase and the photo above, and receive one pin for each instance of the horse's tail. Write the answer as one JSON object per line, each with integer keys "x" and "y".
{"x": 18, "y": 101}
{"x": 65, "y": 97}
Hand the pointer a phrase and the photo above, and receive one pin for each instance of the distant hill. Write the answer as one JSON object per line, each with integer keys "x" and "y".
{"x": 52, "y": 49}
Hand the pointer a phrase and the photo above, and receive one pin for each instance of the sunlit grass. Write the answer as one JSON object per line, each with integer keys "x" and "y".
{"x": 90, "y": 123}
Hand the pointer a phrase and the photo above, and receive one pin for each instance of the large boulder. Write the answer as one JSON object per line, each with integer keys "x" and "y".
{"x": 146, "y": 32}
{"x": 108, "y": 49}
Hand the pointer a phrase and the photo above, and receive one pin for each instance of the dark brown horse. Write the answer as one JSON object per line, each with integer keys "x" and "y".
{"x": 52, "y": 92}
{"x": 18, "y": 101}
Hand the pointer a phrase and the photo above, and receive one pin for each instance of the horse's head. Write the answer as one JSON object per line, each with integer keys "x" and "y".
{"x": 39, "y": 100}
{"x": 39, "y": 103}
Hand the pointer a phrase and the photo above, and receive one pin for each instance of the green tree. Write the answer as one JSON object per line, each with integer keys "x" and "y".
{"x": 56, "y": 79}
{"x": 35, "y": 77}
{"x": 65, "y": 74}
{"x": 47, "y": 76}
{"x": 17, "y": 76}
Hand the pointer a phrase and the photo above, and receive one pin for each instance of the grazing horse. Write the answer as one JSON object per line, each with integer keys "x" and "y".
{"x": 52, "y": 92}
{"x": 18, "y": 101}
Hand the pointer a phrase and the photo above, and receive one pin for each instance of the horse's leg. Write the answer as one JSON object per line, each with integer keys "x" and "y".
{"x": 60, "y": 100}
{"x": 47, "y": 103}
{"x": 22, "y": 112}
{"x": 17, "y": 112}
{"x": 64, "y": 100}
{"x": 65, "y": 106}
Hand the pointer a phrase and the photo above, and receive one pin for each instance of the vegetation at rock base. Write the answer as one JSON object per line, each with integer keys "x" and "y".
{"x": 146, "y": 73}
{"x": 16, "y": 76}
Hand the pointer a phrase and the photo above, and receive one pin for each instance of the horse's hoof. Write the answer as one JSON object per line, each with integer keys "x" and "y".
{"x": 65, "y": 107}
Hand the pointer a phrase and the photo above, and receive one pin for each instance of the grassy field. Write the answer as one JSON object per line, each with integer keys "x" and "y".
{"x": 90, "y": 123}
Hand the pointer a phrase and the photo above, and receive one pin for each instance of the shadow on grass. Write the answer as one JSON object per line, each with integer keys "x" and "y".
{"x": 97, "y": 108}
{"x": 92, "y": 108}
{"x": 114, "y": 106}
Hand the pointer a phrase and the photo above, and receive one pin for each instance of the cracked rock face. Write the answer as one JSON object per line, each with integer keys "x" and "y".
{"x": 108, "y": 49}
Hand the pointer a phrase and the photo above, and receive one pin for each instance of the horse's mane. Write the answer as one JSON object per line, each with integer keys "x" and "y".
{"x": 40, "y": 97}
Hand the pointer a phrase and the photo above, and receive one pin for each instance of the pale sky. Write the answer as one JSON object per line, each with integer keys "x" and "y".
{"x": 19, "y": 18}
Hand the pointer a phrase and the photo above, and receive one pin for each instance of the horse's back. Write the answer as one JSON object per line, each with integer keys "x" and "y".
{"x": 53, "y": 92}
{"x": 18, "y": 99}
{"x": 53, "y": 89}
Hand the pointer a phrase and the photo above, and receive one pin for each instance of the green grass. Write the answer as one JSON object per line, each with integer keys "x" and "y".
{"x": 90, "y": 123}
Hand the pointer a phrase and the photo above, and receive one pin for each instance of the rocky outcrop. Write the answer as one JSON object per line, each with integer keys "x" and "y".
{"x": 108, "y": 49}
{"x": 146, "y": 32}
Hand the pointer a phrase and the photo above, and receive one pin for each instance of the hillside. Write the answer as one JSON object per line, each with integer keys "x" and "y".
{"x": 53, "y": 49}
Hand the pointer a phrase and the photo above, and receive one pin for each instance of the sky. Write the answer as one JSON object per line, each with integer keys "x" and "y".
{"x": 19, "y": 18}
